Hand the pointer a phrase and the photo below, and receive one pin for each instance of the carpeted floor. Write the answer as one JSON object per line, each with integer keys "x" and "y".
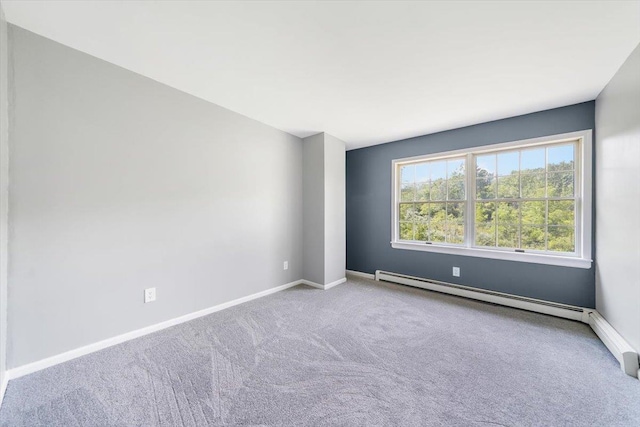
{"x": 362, "y": 353}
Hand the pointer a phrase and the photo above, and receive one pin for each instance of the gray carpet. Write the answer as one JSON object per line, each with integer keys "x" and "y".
{"x": 362, "y": 353}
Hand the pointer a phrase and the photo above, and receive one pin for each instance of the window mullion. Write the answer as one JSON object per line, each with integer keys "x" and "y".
{"x": 519, "y": 199}
{"x": 395, "y": 233}
{"x": 546, "y": 223}
{"x": 470, "y": 196}
{"x": 577, "y": 198}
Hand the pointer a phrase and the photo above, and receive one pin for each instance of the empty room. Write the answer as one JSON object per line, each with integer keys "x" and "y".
{"x": 319, "y": 213}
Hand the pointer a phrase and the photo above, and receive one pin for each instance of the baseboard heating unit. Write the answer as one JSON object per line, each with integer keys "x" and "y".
{"x": 617, "y": 345}
{"x": 622, "y": 351}
{"x": 539, "y": 306}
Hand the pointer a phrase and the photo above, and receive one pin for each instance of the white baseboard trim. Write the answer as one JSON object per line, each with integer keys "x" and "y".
{"x": 621, "y": 350}
{"x": 312, "y": 284}
{"x": 531, "y": 304}
{"x": 323, "y": 287}
{"x": 3, "y": 387}
{"x": 336, "y": 283}
{"x": 361, "y": 274}
{"x": 100, "y": 345}
{"x": 616, "y": 344}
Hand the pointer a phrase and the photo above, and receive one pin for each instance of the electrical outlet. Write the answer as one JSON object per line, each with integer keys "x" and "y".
{"x": 149, "y": 295}
{"x": 285, "y": 266}
{"x": 456, "y": 271}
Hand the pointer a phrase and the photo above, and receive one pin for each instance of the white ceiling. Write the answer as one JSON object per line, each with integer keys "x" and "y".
{"x": 365, "y": 72}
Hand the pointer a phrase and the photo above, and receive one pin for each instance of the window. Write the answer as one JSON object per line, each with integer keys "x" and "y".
{"x": 432, "y": 201}
{"x": 523, "y": 201}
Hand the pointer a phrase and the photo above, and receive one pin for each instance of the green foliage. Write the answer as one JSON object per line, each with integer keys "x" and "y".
{"x": 433, "y": 202}
{"x": 512, "y": 208}
{"x": 509, "y": 221}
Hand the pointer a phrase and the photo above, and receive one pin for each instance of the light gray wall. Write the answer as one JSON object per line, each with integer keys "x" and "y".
{"x": 618, "y": 201}
{"x": 335, "y": 214}
{"x": 324, "y": 209}
{"x": 4, "y": 182}
{"x": 119, "y": 183}
{"x": 314, "y": 205}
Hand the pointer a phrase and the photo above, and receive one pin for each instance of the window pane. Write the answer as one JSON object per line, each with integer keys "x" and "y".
{"x": 455, "y": 232}
{"x": 437, "y": 229}
{"x": 455, "y": 189}
{"x": 455, "y": 168}
{"x": 406, "y": 231}
{"x": 437, "y": 222}
{"x": 487, "y": 164}
{"x": 485, "y": 212}
{"x": 532, "y": 237}
{"x": 508, "y": 163}
{"x": 508, "y": 213}
{"x": 533, "y": 185}
{"x": 407, "y": 173}
{"x": 455, "y": 212}
{"x": 533, "y": 213}
{"x": 437, "y": 211}
{"x": 485, "y": 186}
{"x": 561, "y": 212}
{"x": 439, "y": 189}
{"x": 508, "y": 235}
{"x": 406, "y": 212}
{"x": 407, "y": 192}
{"x": 532, "y": 161}
{"x": 560, "y": 158}
{"x": 422, "y": 172}
{"x": 511, "y": 208}
{"x": 438, "y": 170}
{"x": 421, "y": 211}
{"x": 561, "y": 239}
{"x": 560, "y": 184}
{"x": 421, "y": 231}
{"x": 485, "y": 234}
{"x": 423, "y": 191}
{"x": 509, "y": 186}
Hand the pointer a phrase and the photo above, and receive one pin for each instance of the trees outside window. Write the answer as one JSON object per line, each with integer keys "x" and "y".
{"x": 532, "y": 197}
{"x": 525, "y": 199}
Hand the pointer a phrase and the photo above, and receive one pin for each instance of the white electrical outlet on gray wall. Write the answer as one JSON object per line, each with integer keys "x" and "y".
{"x": 149, "y": 295}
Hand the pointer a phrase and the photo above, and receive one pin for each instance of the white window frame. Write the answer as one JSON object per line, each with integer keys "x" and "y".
{"x": 583, "y": 204}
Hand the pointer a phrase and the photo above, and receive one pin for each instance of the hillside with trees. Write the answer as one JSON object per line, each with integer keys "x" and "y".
{"x": 529, "y": 208}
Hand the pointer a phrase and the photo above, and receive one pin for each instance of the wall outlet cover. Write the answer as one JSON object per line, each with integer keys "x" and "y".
{"x": 149, "y": 295}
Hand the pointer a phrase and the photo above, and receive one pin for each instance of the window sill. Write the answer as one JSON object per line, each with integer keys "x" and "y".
{"x": 563, "y": 261}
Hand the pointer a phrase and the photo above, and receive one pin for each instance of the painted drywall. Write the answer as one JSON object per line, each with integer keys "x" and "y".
{"x": 618, "y": 201}
{"x": 4, "y": 188}
{"x": 369, "y": 212}
{"x": 369, "y": 72}
{"x": 313, "y": 208}
{"x": 119, "y": 183}
{"x": 324, "y": 209}
{"x": 335, "y": 210}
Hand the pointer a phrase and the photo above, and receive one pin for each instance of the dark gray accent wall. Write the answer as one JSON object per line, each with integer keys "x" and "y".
{"x": 369, "y": 201}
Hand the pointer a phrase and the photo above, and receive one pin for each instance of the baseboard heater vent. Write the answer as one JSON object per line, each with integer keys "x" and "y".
{"x": 616, "y": 344}
{"x": 531, "y": 304}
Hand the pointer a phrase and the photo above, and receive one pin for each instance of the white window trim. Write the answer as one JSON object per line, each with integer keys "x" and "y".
{"x": 582, "y": 258}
